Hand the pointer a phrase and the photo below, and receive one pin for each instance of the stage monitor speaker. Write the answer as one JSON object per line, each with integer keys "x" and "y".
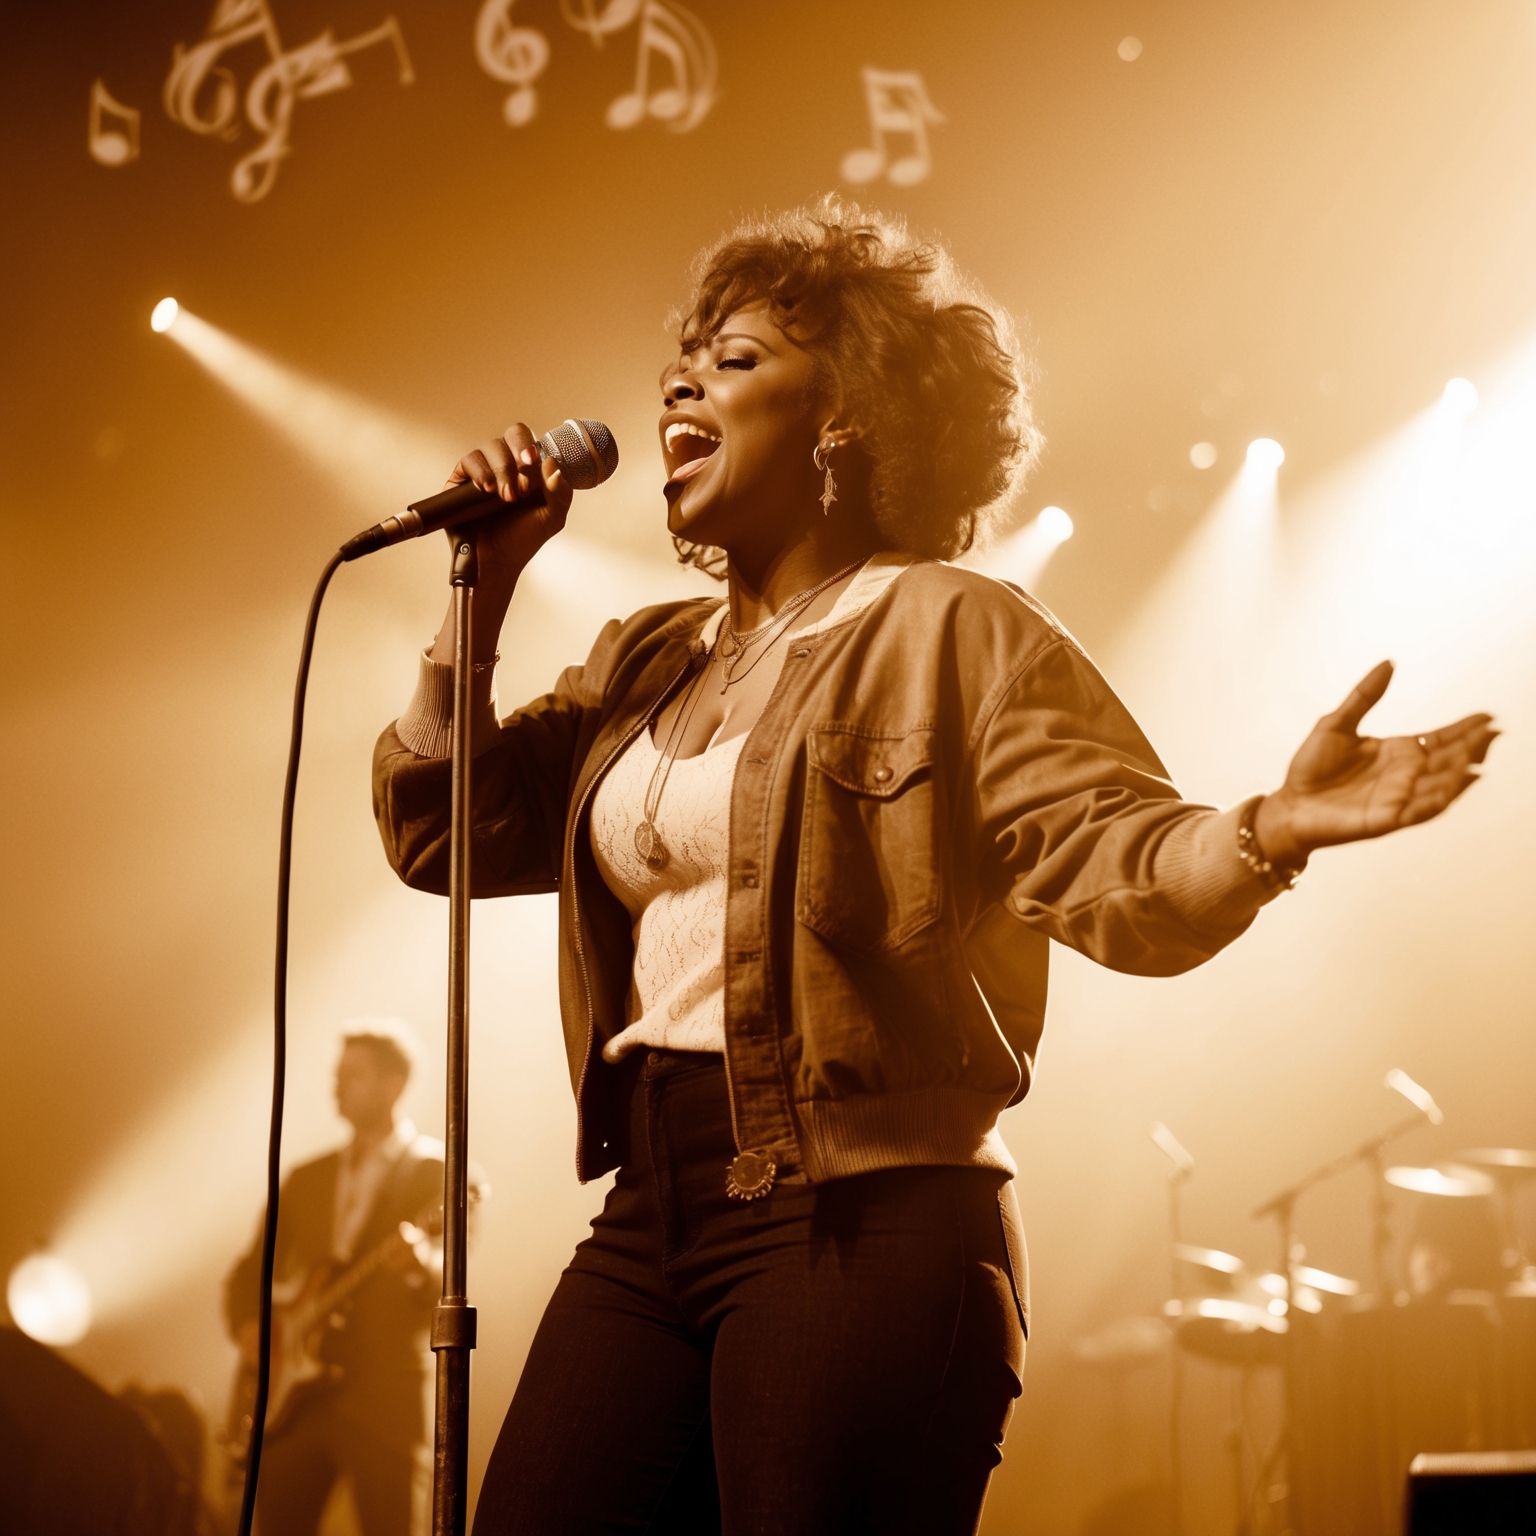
{"x": 1492, "y": 1493}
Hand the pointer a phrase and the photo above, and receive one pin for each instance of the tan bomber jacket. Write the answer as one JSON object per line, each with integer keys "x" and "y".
{"x": 939, "y": 786}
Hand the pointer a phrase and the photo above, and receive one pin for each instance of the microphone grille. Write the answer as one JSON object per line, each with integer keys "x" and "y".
{"x": 584, "y": 450}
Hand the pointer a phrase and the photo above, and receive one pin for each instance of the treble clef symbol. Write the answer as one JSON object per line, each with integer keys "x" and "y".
{"x": 516, "y": 56}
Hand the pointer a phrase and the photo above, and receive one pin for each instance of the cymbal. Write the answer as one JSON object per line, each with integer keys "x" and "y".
{"x": 1500, "y": 1159}
{"x": 1208, "y": 1258}
{"x": 1227, "y": 1330}
{"x": 1432, "y": 1181}
{"x": 1323, "y": 1280}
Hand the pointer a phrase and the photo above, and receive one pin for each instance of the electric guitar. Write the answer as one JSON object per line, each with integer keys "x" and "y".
{"x": 301, "y": 1312}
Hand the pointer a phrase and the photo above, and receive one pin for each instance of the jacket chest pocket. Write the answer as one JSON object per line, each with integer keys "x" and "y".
{"x": 868, "y": 876}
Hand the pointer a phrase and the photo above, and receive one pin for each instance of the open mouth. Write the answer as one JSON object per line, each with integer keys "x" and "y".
{"x": 688, "y": 449}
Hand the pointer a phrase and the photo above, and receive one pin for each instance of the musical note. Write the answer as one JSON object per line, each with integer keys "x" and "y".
{"x": 314, "y": 69}
{"x": 514, "y": 55}
{"x": 614, "y": 17}
{"x": 234, "y": 22}
{"x": 679, "y": 37}
{"x": 115, "y": 145}
{"x": 898, "y": 105}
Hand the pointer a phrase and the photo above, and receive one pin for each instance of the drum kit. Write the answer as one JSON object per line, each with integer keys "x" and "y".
{"x": 1438, "y": 1353}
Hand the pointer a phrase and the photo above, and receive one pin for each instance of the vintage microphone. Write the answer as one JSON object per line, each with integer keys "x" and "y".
{"x": 587, "y": 455}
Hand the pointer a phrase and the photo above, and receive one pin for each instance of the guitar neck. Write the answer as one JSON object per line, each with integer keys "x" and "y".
{"x": 351, "y": 1277}
{"x": 429, "y": 1219}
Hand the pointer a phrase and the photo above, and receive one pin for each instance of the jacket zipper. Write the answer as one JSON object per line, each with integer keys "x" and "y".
{"x": 581, "y": 953}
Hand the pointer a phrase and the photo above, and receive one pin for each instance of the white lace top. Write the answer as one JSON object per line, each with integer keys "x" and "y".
{"x": 677, "y": 987}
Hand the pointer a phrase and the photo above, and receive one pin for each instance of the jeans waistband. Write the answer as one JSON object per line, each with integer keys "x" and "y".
{"x": 659, "y": 1063}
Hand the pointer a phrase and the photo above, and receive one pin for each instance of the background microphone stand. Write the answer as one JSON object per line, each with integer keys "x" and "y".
{"x": 1183, "y": 1166}
{"x": 1282, "y": 1207}
{"x": 453, "y": 1322}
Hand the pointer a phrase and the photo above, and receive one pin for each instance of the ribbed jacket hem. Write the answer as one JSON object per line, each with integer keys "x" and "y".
{"x": 949, "y": 1126}
{"x": 426, "y": 727}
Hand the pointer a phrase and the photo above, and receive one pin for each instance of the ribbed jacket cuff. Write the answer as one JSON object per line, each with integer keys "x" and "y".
{"x": 1201, "y": 877}
{"x": 426, "y": 727}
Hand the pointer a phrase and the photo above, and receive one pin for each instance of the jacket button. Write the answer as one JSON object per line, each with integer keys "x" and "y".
{"x": 882, "y": 775}
{"x": 750, "y": 881}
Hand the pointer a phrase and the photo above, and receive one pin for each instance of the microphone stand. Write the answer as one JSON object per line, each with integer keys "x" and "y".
{"x": 1176, "y": 1179}
{"x": 453, "y": 1321}
{"x": 1183, "y": 1165}
{"x": 1283, "y": 1207}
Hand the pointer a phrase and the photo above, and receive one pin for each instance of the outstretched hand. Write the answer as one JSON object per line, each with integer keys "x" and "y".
{"x": 1342, "y": 786}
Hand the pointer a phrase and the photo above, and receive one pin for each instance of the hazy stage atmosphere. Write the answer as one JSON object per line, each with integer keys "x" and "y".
{"x": 1276, "y": 270}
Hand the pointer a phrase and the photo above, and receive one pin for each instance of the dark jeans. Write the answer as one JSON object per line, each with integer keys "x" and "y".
{"x": 838, "y": 1358}
{"x": 325, "y": 1441}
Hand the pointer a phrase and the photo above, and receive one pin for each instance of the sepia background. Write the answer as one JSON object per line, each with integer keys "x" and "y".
{"x": 1295, "y": 222}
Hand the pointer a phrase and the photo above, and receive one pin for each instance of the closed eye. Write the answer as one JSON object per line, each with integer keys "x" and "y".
{"x": 737, "y": 362}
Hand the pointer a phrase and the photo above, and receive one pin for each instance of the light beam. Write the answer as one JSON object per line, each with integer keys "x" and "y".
{"x": 374, "y": 457}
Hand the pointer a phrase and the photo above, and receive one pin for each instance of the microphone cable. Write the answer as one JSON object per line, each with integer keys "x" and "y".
{"x": 279, "y": 1056}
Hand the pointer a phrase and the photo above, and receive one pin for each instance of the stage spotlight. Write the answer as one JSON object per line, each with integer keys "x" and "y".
{"x": 1055, "y": 525}
{"x": 1265, "y": 453}
{"x": 49, "y": 1300}
{"x": 1460, "y": 396}
{"x": 1203, "y": 455}
{"x": 1023, "y": 555}
{"x": 163, "y": 316}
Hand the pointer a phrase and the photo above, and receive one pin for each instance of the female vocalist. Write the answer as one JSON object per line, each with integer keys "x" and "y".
{"x": 811, "y": 843}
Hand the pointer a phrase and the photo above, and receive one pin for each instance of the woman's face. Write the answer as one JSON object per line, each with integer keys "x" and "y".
{"x": 740, "y": 420}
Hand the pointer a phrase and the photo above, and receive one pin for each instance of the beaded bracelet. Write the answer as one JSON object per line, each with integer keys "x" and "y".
{"x": 1276, "y": 876}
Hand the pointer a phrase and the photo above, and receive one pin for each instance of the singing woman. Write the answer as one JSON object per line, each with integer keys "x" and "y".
{"x": 812, "y": 841}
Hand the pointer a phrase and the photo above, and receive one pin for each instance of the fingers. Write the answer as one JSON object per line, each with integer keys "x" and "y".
{"x": 1428, "y": 803}
{"x": 502, "y": 467}
{"x": 1470, "y": 738}
{"x": 512, "y": 456}
{"x": 1449, "y": 782}
{"x": 1363, "y": 697}
{"x": 557, "y": 494}
{"x": 472, "y": 466}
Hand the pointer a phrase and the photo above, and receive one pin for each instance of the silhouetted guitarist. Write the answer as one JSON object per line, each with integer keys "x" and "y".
{"x": 348, "y": 1225}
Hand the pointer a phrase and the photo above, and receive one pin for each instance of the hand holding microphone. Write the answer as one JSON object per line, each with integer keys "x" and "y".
{"x": 523, "y": 497}
{"x": 518, "y": 473}
{"x": 518, "y": 488}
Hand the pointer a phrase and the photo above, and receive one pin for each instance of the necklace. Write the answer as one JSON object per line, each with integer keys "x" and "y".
{"x": 729, "y": 648}
{"x": 648, "y": 843}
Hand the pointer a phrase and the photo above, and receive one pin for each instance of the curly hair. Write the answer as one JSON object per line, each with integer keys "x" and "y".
{"x": 906, "y": 346}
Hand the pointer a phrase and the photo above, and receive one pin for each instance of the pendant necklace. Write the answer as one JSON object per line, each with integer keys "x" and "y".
{"x": 730, "y": 647}
{"x": 648, "y": 843}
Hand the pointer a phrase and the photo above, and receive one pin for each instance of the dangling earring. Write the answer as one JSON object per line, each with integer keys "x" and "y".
{"x": 822, "y": 459}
